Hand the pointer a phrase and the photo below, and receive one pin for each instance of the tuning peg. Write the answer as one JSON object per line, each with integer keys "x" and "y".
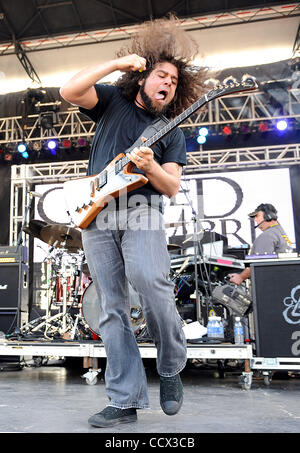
{"x": 229, "y": 81}
{"x": 248, "y": 77}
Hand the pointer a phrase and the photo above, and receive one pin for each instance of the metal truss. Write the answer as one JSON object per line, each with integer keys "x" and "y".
{"x": 119, "y": 33}
{"x": 251, "y": 157}
{"x": 24, "y": 177}
{"x": 244, "y": 108}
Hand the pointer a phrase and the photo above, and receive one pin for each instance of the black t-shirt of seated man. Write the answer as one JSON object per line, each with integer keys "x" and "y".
{"x": 119, "y": 124}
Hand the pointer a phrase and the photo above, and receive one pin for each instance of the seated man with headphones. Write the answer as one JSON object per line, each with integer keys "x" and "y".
{"x": 273, "y": 240}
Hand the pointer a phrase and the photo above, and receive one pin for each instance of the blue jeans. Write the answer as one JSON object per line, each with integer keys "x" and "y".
{"x": 120, "y": 247}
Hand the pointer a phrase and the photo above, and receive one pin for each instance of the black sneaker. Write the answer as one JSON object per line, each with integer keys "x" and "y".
{"x": 171, "y": 394}
{"x": 111, "y": 416}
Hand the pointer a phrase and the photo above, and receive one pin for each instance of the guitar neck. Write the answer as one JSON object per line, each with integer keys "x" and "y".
{"x": 151, "y": 141}
{"x": 175, "y": 122}
{"x": 233, "y": 87}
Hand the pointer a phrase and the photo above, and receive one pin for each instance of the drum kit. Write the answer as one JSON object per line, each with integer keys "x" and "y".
{"x": 71, "y": 289}
{"x": 72, "y": 294}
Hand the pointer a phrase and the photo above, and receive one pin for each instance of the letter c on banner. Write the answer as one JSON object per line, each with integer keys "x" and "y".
{"x": 41, "y": 210}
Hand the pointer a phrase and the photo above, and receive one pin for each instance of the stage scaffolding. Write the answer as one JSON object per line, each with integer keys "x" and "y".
{"x": 242, "y": 108}
{"x": 238, "y": 109}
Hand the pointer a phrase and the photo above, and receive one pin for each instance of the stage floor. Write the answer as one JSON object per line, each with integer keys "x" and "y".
{"x": 54, "y": 398}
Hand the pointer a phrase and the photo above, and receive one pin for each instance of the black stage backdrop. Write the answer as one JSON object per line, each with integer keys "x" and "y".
{"x": 295, "y": 187}
{"x": 4, "y": 204}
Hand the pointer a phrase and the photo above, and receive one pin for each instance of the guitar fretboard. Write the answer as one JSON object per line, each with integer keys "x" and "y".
{"x": 165, "y": 130}
{"x": 232, "y": 87}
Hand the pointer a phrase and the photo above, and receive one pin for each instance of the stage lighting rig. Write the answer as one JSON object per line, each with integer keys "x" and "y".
{"x": 47, "y": 114}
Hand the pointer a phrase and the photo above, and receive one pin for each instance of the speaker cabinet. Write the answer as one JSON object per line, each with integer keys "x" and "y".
{"x": 276, "y": 307}
{"x": 13, "y": 286}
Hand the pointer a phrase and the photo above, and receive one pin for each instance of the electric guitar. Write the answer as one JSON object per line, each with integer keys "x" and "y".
{"x": 85, "y": 197}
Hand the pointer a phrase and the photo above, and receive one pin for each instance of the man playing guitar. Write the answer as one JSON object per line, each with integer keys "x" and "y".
{"x": 126, "y": 242}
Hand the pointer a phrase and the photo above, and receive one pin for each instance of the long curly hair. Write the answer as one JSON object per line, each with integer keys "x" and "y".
{"x": 163, "y": 40}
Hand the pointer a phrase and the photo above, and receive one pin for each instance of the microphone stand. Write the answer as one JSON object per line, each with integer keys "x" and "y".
{"x": 195, "y": 221}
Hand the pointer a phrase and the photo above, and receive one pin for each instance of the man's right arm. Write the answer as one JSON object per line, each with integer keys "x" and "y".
{"x": 80, "y": 90}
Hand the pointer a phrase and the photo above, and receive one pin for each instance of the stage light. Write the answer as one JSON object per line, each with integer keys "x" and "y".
{"x": 8, "y": 157}
{"x": 22, "y": 147}
{"x": 66, "y": 143}
{"x": 25, "y": 155}
{"x": 245, "y": 129}
{"x": 263, "y": 127}
{"x": 201, "y": 139}
{"x": 227, "y": 130}
{"x": 282, "y": 125}
{"x": 36, "y": 146}
{"x": 203, "y": 131}
{"x": 81, "y": 142}
{"x": 51, "y": 144}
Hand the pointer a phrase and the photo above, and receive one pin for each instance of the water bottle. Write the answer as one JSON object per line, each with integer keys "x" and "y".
{"x": 238, "y": 331}
{"x": 211, "y": 327}
{"x": 220, "y": 328}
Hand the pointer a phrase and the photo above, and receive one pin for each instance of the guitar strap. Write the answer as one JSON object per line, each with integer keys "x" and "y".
{"x": 150, "y": 130}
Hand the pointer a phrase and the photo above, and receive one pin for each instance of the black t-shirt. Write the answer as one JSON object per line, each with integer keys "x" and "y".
{"x": 119, "y": 124}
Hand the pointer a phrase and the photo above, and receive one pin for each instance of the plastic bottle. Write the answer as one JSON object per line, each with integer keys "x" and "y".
{"x": 220, "y": 328}
{"x": 238, "y": 331}
{"x": 211, "y": 327}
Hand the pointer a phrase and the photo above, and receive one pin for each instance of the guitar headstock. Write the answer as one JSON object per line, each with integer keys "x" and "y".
{"x": 231, "y": 86}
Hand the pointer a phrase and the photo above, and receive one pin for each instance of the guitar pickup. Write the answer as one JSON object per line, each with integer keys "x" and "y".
{"x": 92, "y": 188}
{"x": 118, "y": 166}
{"x": 100, "y": 180}
{"x": 96, "y": 183}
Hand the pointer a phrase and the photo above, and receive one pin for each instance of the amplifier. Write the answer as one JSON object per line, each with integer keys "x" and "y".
{"x": 276, "y": 307}
{"x": 14, "y": 292}
{"x": 13, "y": 254}
{"x": 9, "y": 320}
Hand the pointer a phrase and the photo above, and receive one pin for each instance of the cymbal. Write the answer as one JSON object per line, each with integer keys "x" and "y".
{"x": 62, "y": 236}
{"x": 34, "y": 228}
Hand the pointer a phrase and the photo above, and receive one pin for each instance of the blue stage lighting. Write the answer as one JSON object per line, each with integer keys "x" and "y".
{"x": 52, "y": 144}
{"x": 203, "y": 131}
{"x": 201, "y": 139}
{"x": 282, "y": 125}
{"x": 22, "y": 147}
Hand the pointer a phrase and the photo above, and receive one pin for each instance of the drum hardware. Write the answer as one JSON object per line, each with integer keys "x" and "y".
{"x": 195, "y": 241}
{"x": 177, "y": 224}
{"x": 48, "y": 326}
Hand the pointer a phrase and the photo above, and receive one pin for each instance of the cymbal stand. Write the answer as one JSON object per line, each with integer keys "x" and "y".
{"x": 195, "y": 233}
{"x": 197, "y": 253}
{"x": 195, "y": 242}
{"x": 65, "y": 288}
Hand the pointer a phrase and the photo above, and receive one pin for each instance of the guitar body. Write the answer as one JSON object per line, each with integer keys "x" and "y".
{"x": 86, "y": 197}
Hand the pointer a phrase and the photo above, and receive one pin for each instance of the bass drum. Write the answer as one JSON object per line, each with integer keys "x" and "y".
{"x": 90, "y": 308}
